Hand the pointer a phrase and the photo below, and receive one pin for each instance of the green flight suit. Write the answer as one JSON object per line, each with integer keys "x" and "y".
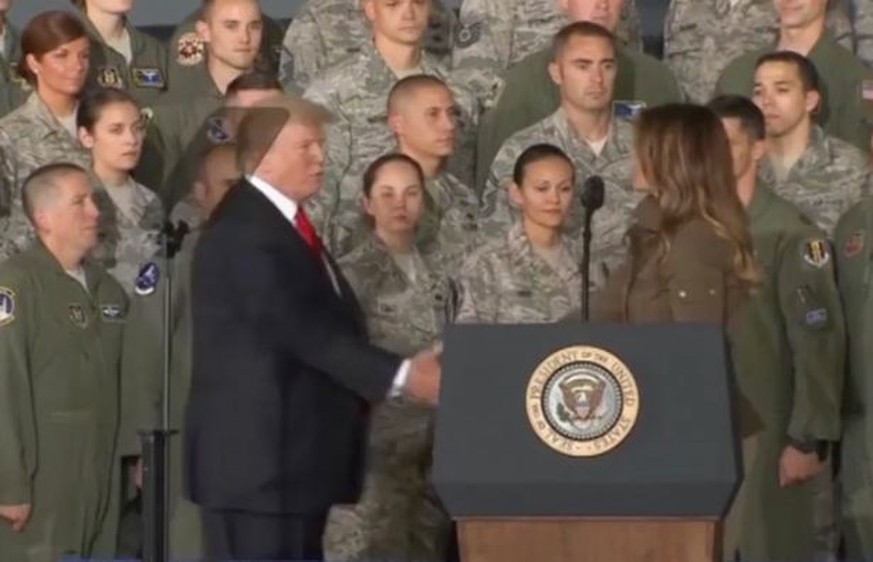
{"x": 789, "y": 354}
{"x": 142, "y": 366}
{"x": 844, "y": 112}
{"x": 187, "y": 51}
{"x": 853, "y": 241}
{"x": 529, "y": 96}
{"x": 145, "y": 77}
{"x": 60, "y": 348}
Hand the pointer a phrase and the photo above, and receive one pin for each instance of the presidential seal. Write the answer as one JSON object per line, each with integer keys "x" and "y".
{"x": 582, "y": 401}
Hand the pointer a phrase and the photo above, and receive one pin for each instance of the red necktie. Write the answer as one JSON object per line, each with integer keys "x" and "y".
{"x": 307, "y": 232}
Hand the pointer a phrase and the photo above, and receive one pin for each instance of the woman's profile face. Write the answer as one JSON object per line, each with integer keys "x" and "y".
{"x": 546, "y": 192}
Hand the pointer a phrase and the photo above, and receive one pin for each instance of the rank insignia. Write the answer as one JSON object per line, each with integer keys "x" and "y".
{"x": 7, "y": 306}
{"x": 469, "y": 35}
{"x": 189, "y": 49}
{"x": 109, "y": 77}
{"x": 627, "y": 109}
{"x": 816, "y": 318}
{"x": 816, "y": 253}
{"x": 112, "y": 312}
{"x": 854, "y": 245}
{"x": 147, "y": 280}
{"x": 77, "y": 315}
{"x": 148, "y": 78}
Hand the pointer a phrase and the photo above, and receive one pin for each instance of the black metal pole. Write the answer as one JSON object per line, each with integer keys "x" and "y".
{"x": 586, "y": 265}
{"x": 156, "y": 442}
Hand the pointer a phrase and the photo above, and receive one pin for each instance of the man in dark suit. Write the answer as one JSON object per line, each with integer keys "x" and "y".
{"x": 282, "y": 373}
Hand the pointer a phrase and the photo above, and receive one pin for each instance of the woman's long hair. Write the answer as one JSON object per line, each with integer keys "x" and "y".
{"x": 685, "y": 157}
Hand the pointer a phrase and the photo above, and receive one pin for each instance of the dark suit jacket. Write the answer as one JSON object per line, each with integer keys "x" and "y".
{"x": 282, "y": 373}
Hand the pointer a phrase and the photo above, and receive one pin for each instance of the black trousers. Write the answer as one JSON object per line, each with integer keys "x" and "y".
{"x": 240, "y": 535}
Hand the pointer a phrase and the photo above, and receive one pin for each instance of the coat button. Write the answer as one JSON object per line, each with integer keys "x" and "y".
{"x": 683, "y": 294}
{"x": 712, "y": 292}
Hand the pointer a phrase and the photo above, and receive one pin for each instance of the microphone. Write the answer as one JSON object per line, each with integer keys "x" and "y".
{"x": 174, "y": 235}
{"x": 592, "y": 197}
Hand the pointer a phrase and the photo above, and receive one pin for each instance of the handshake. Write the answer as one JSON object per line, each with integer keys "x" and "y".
{"x": 423, "y": 381}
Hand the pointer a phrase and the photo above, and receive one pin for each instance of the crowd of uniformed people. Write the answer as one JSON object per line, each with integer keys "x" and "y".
{"x": 737, "y": 191}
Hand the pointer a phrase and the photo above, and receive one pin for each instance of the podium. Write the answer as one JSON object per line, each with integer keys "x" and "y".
{"x": 587, "y": 442}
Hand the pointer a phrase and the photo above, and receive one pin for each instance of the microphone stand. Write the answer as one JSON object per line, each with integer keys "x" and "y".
{"x": 155, "y": 442}
{"x": 586, "y": 263}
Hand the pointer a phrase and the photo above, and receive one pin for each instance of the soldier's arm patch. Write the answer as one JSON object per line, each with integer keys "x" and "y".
{"x": 627, "y": 109}
{"x": 468, "y": 35}
{"x": 7, "y": 306}
{"x": 189, "y": 49}
{"x": 816, "y": 318}
{"x": 147, "y": 280}
{"x": 816, "y": 252}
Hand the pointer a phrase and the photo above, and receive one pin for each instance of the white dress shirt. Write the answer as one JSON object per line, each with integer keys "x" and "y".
{"x": 288, "y": 208}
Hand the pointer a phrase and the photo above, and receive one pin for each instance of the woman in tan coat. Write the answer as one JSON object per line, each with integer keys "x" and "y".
{"x": 689, "y": 248}
{"x": 690, "y": 251}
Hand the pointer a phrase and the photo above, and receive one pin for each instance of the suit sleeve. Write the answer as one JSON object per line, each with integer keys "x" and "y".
{"x": 17, "y": 417}
{"x": 810, "y": 304}
{"x": 275, "y": 301}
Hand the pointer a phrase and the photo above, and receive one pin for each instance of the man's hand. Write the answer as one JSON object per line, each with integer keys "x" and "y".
{"x": 796, "y": 467}
{"x": 16, "y": 515}
{"x": 423, "y": 382}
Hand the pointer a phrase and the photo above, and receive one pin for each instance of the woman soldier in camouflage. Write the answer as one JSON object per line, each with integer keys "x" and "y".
{"x": 405, "y": 296}
{"x": 111, "y": 127}
{"x": 532, "y": 274}
{"x": 54, "y": 63}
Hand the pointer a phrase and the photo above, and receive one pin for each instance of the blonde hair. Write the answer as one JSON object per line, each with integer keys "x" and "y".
{"x": 684, "y": 154}
{"x": 262, "y": 123}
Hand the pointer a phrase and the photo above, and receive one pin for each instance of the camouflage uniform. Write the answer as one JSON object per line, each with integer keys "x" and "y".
{"x": 854, "y": 250}
{"x": 846, "y": 110}
{"x": 60, "y": 347}
{"x": 864, "y": 30}
{"x": 399, "y": 516}
{"x": 702, "y": 36}
{"x": 126, "y": 241}
{"x": 507, "y": 282}
{"x": 496, "y": 34}
{"x": 145, "y": 77}
{"x": 450, "y": 222}
{"x": 326, "y": 32}
{"x": 30, "y": 137}
{"x": 826, "y": 181}
{"x": 356, "y": 92}
{"x": 13, "y": 90}
{"x": 614, "y": 165}
{"x": 142, "y": 371}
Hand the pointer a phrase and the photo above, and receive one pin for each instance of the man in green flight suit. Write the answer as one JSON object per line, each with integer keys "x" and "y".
{"x": 61, "y": 321}
{"x": 853, "y": 242}
{"x": 789, "y": 354}
{"x": 142, "y": 359}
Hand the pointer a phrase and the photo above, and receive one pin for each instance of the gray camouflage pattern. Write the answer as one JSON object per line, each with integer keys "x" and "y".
{"x": 614, "y": 165}
{"x": 702, "y": 36}
{"x": 826, "y": 181}
{"x": 493, "y": 35}
{"x": 507, "y": 282}
{"x": 325, "y": 32}
{"x": 398, "y": 516}
{"x": 126, "y": 242}
{"x": 30, "y": 137}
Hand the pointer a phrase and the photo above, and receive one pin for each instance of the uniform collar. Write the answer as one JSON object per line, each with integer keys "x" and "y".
{"x": 47, "y": 260}
{"x": 44, "y": 120}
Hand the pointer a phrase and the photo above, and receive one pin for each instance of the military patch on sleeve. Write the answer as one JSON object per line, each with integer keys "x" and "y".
{"x": 109, "y": 77}
{"x": 7, "y": 306}
{"x": 147, "y": 280}
{"x": 854, "y": 244}
{"x": 468, "y": 35}
{"x": 189, "y": 49}
{"x": 151, "y": 78}
{"x": 816, "y": 253}
{"x": 216, "y": 130}
{"x": 816, "y": 318}
{"x": 627, "y": 109}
